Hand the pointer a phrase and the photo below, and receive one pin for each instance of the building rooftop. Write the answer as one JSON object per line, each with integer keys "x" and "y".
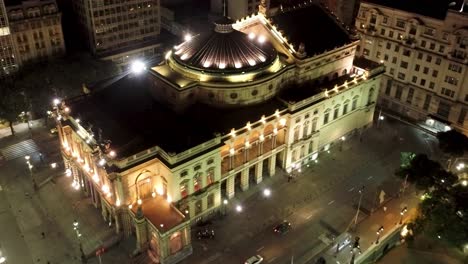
{"x": 224, "y": 50}
{"x": 127, "y": 114}
{"x": 431, "y": 8}
{"x": 311, "y": 25}
{"x": 160, "y": 213}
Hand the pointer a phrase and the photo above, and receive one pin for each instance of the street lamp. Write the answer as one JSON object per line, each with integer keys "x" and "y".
{"x": 402, "y": 213}
{"x": 379, "y": 232}
{"x": 380, "y": 118}
{"x": 239, "y": 208}
{"x": 361, "y": 192}
{"x": 76, "y": 227}
{"x": 342, "y": 139}
{"x": 137, "y": 67}
{"x": 266, "y": 192}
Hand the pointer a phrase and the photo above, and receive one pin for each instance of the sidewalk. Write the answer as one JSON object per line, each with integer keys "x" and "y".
{"x": 387, "y": 217}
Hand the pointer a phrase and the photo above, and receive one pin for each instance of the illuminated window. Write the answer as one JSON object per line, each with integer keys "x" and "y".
{"x": 210, "y": 176}
{"x": 184, "y": 189}
{"x": 196, "y": 183}
{"x": 210, "y": 200}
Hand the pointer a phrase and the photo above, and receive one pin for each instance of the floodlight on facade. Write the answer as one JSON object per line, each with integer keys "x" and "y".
{"x": 137, "y": 67}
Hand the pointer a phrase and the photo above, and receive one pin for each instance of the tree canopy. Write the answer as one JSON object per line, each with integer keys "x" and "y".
{"x": 453, "y": 142}
{"x": 12, "y": 102}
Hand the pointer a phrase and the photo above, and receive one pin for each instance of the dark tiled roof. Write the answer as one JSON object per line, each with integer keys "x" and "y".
{"x": 227, "y": 46}
{"x": 313, "y": 26}
{"x": 430, "y": 8}
{"x": 133, "y": 120}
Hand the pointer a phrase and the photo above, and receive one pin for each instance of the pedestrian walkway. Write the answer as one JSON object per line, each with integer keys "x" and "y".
{"x": 372, "y": 231}
{"x": 18, "y": 150}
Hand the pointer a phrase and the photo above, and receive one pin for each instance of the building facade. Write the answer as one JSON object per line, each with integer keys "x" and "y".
{"x": 425, "y": 54}
{"x": 120, "y": 30}
{"x": 36, "y": 30}
{"x": 214, "y": 119}
{"x": 8, "y": 63}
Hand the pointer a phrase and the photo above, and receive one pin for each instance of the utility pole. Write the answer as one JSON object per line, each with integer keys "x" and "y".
{"x": 361, "y": 192}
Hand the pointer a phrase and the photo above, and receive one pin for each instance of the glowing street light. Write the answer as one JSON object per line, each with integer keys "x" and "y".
{"x": 56, "y": 101}
{"x": 379, "y": 232}
{"x": 225, "y": 202}
{"x": 53, "y": 165}
{"x": 239, "y": 208}
{"x": 464, "y": 183}
{"x": 402, "y": 213}
{"x": 137, "y": 67}
{"x": 266, "y": 192}
{"x": 187, "y": 37}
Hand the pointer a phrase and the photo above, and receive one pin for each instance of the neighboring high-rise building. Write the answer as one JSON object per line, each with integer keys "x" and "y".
{"x": 120, "y": 30}
{"x": 166, "y": 146}
{"x": 346, "y": 10}
{"x": 8, "y": 62}
{"x": 236, "y": 9}
{"x": 424, "y": 45}
{"x": 36, "y": 30}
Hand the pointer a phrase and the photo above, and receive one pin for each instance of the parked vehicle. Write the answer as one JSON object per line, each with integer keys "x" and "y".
{"x": 254, "y": 260}
{"x": 283, "y": 227}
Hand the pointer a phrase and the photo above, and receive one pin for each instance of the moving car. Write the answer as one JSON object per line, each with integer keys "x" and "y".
{"x": 254, "y": 260}
{"x": 283, "y": 228}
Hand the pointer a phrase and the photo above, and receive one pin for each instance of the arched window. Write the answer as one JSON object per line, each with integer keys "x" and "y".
{"x": 355, "y": 102}
{"x": 305, "y": 130}
{"x": 345, "y": 71}
{"x": 336, "y": 112}
{"x": 210, "y": 176}
{"x": 294, "y": 153}
{"x": 311, "y": 147}
{"x": 326, "y": 116}
{"x": 371, "y": 96}
{"x": 345, "y": 107}
{"x": 197, "y": 185}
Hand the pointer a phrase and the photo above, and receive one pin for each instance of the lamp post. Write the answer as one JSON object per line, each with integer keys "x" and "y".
{"x": 225, "y": 203}
{"x": 342, "y": 139}
{"x": 402, "y": 213}
{"x": 380, "y": 118}
{"x": 361, "y": 192}
{"x": 379, "y": 232}
{"x": 76, "y": 227}
{"x": 356, "y": 249}
{"x": 30, "y": 167}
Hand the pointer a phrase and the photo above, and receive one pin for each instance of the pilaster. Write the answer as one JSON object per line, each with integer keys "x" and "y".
{"x": 272, "y": 165}
{"x": 230, "y": 184}
{"x": 259, "y": 172}
{"x": 245, "y": 179}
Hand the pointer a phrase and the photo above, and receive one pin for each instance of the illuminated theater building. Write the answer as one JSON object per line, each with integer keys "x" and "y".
{"x": 162, "y": 147}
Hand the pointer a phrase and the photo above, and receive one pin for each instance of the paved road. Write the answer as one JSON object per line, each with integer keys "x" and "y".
{"x": 319, "y": 203}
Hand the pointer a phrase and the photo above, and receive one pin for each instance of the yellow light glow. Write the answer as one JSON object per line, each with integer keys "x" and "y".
{"x": 247, "y": 144}
{"x": 222, "y": 65}
{"x": 251, "y": 35}
{"x": 282, "y": 121}
{"x": 96, "y": 178}
{"x": 188, "y": 37}
{"x": 139, "y": 201}
{"x": 275, "y": 131}
{"x": 262, "y": 137}
{"x": 184, "y": 57}
{"x": 261, "y": 39}
{"x": 207, "y": 64}
{"x": 232, "y": 151}
{"x": 251, "y": 62}
{"x": 117, "y": 202}
{"x": 263, "y": 119}
{"x": 112, "y": 153}
{"x": 248, "y": 126}
{"x": 233, "y": 133}
{"x": 262, "y": 58}
{"x": 160, "y": 190}
{"x": 169, "y": 199}
{"x": 168, "y": 54}
{"x": 105, "y": 188}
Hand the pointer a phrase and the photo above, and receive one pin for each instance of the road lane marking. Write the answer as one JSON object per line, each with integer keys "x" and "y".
{"x": 350, "y": 190}
{"x": 331, "y": 202}
{"x": 271, "y": 260}
{"x": 309, "y": 216}
{"x": 370, "y": 177}
{"x": 260, "y": 249}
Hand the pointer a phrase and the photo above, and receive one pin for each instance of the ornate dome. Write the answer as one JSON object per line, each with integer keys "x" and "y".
{"x": 225, "y": 50}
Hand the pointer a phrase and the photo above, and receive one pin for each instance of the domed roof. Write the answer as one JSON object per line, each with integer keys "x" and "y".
{"x": 225, "y": 50}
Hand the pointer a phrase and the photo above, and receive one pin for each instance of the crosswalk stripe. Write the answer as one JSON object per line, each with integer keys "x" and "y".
{"x": 19, "y": 150}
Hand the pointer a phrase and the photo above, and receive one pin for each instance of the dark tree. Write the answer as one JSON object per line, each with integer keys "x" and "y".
{"x": 453, "y": 142}
{"x": 12, "y": 102}
{"x": 425, "y": 173}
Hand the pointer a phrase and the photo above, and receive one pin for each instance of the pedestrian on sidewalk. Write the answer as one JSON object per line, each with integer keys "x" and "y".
{"x": 43, "y": 235}
{"x": 41, "y": 157}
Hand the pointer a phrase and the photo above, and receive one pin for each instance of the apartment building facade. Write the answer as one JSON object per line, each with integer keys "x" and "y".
{"x": 424, "y": 48}
{"x": 36, "y": 30}
{"x": 120, "y": 30}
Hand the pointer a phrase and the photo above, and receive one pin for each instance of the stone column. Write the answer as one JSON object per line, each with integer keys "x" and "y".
{"x": 245, "y": 179}
{"x": 118, "y": 218}
{"x": 272, "y": 165}
{"x": 230, "y": 184}
{"x": 126, "y": 223}
{"x": 141, "y": 232}
{"x": 190, "y": 186}
{"x": 259, "y": 172}
{"x": 96, "y": 197}
{"x": 103, "y": 209}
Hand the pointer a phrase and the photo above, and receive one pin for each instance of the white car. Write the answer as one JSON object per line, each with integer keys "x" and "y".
{"x": 254, "y": 260}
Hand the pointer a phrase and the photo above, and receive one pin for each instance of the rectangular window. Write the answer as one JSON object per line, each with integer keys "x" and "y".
{"x": 420, "y": 56}
{"x": 392, "y": 71}
{"x": 404, "y": 65}
{"x": 425, "y": 70}
{"x": 431, "y": 85}
{"x": 397, "y": 48}
{"x": 210, "y": 200}
{"x": 414, "y": 79}
{"x": 388, "y": 89}
{"x": 345, "y": 108}
{"x": 416, "y": 67}
{"x": 441, "y": 49}
{"x": 422, "y": 82}
{"x": 394, "y": 60}
{"x": 385, "y": 20}
{"x": 390, "y": 34}
{"x": 462, "y": 116}
{"x": 365, "y": 52}
{"x": 429, "y": 58}
{"x": 409, "y": 98}
{"x": 434, "y": 73}
{"x": 451, "y": 80}
{"x": 398, "y": 92}
{"x": 389, "y": 45}
{"x": 382, "y": 31}
{"x": 326, "y": 117}
{"x": 429, "y": 31}
{"x": 386, "y": 57}
{"x": 400, "y": 23}
{"x": 438, "y": 61}
{"x": 401, "y": 76}
{"x": 455, "y": 67}
{"x": 423, "y": 43}
{"x": 335, "y": 113}
{"x": 406, "y": 52}
{"x": 427, "y": 102}
{"x": 432, "y": 46}
{"x": 448, "y": 92}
